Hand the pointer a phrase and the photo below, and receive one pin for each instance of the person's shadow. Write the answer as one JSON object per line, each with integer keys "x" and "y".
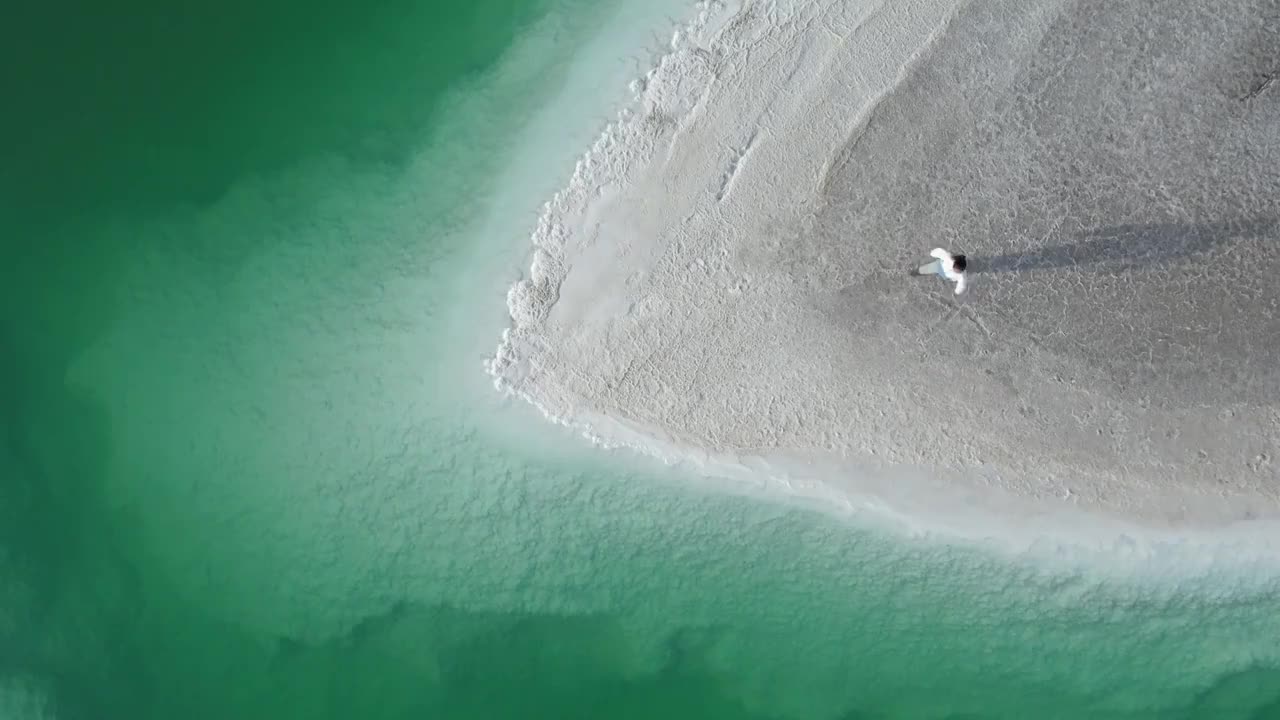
{"x": 1124, "y": 247}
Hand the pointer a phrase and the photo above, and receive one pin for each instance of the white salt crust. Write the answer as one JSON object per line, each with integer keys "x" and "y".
{"x": 712, "y": 287}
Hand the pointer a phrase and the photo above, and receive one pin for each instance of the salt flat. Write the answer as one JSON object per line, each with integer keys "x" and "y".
{"x": 725, "y": 277}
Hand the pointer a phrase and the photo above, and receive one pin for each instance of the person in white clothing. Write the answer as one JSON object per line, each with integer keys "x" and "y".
{"x": 947, "y": 266}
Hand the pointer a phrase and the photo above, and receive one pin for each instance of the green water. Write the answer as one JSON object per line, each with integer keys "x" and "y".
{"x": 252, "y": 469}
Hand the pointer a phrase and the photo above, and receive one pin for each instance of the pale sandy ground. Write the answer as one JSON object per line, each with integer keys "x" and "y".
{"x": 725, "y": 276}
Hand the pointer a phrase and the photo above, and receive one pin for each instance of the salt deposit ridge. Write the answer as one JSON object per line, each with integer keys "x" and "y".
{"x": 724, "y": 278}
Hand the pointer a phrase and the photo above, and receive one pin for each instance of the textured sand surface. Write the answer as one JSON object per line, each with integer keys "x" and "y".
{"x": 725, "y": 275}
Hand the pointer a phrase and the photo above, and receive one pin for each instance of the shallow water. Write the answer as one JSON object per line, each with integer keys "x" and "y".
{"x": 253, "y": 468}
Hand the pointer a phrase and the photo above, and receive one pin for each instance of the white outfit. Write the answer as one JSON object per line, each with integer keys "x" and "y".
{"x": 945, "y": 268}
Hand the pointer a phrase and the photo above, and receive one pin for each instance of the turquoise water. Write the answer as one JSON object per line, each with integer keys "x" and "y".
{"x": 252, "y": 467}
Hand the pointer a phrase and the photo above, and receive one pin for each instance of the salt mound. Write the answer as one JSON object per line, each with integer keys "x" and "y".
{"x": 725, "y": 275}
